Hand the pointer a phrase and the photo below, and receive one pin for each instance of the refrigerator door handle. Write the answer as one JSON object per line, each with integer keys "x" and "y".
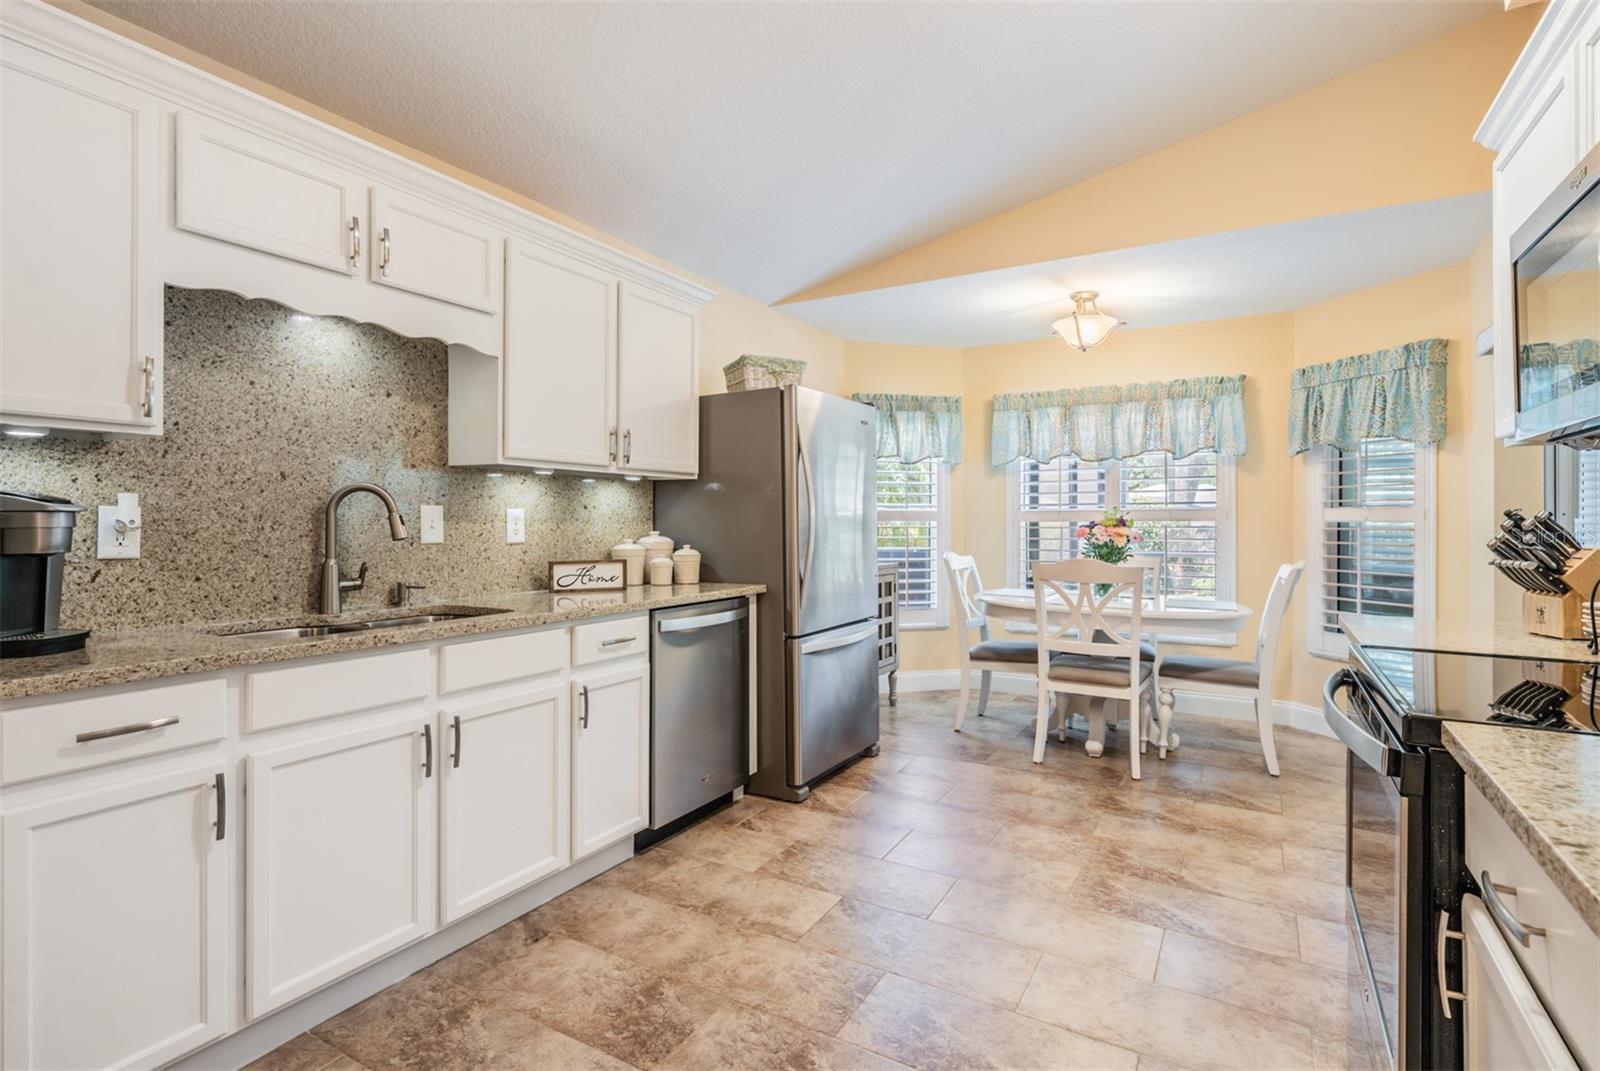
{"x": 811, "y": 517}
{"x": 830, "y": 642}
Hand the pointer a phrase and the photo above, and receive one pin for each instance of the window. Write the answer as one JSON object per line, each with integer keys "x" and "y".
{"x": 1572, "y": 482}
{"x": 1371, "y": 540}
{"x": 913, "y": 530}
{"x": 1183, "y": 506}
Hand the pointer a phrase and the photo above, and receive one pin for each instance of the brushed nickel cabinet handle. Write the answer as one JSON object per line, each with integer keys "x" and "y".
{"x": 1446, "y": 994}
{"x": 617, "y": 641}
{"x": 427, "y": 750}
{"x": 222, "y": 806}
{"x": 627, "y": 447}
{"x": 355, "y": 240}
{"x": 455, "y": 755}
{"x": 1519, "y": 932}
{"x": 125, "y": 730}
{"x": 583, "y": 717}
{"x": 148, "y": 371}
{"x": 383, "y": 253}
{"x": 612, "y": 448}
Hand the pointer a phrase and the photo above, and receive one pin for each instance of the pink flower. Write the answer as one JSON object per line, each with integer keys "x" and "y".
{"x": 1082, "y": 532}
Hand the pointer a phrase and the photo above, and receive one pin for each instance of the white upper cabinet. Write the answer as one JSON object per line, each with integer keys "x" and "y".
{"x": 561, "y": 345}
{"x": 80, "y": 285}
{"x": 658, "y": 387}
{"x": 116, "y": 909}
{"x": 340, "y": 842}
{"x": 504, "y": 782}
{"x": 429, "y": 249}
{"x": 254, "y": 191}
{"x": 610, "y": 756}
{"x": 1542, "y": 122}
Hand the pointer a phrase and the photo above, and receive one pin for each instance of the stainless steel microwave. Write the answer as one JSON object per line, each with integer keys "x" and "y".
{"x": 1555, "y": 258}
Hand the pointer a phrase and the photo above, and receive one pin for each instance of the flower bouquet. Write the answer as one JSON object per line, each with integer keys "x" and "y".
{"x": 1111, "y": 539}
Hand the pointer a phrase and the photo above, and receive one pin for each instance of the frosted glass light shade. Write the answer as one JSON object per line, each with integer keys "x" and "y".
{"x": 1086, "y": 325}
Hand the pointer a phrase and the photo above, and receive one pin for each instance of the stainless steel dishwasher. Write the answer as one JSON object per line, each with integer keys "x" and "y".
{"x": 699, "y": 706}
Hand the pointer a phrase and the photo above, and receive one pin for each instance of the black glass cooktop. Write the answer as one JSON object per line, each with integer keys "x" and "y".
{"x": 1425, "y": 689}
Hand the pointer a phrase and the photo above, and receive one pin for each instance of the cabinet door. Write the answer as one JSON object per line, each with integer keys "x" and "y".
{"x": 429, "y": 249}
{"x": 255, "y": 192}
{"x": 1506, "y": 1024}
{"x": 610, "y": 757}
{"x": 561, "y": 345}
{"x": 658, "y": 389}
{"x": 340, "y": 857}
{"x": 80, "y": 291}
{"x": 506, "y": 796}
{"x": 116, "y": 935}
{"x": 1540, "y": 155}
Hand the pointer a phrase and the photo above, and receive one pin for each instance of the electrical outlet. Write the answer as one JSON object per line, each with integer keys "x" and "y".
{"x": 432, "y": 524}
{"x": 516, "y": 526}
{"x": 118, "y": 528}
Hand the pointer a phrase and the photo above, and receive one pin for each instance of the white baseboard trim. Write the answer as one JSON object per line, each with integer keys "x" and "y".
{"x": 1190, "y": 704}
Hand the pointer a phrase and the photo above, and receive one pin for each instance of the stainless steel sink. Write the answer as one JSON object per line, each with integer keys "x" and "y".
{"x": 339, "y": 628}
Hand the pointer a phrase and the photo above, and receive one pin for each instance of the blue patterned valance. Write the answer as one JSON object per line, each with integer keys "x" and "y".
{"x": 1180, "y": 417}
{"x": 914, "y": 427}
{"x": 1396, "y": 393}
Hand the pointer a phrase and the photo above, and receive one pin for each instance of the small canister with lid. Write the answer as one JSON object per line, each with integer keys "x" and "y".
{"x": 655, "y": 546}
{"x": 631, "y": 555}
{"x": 686, "y": 565}
{"x": 660, "y": 570}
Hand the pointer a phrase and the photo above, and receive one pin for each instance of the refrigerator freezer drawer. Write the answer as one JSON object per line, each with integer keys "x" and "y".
{"x": 699, "y": 697}
{"x": 833, "y": 701}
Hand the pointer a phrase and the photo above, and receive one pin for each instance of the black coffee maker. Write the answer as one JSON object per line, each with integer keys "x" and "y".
{"x": 35, "y": 535}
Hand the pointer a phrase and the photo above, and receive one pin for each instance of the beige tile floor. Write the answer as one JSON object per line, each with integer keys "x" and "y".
{"x": 945, "y": 905}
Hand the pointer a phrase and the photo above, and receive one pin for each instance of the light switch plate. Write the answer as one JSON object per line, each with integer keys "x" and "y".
{"x": 516, "y": 526}
{"x": 432, "y": 524}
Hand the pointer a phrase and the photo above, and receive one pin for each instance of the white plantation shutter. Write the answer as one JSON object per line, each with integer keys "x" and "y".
{"x": 1586, "y": 521}
{"x": 1367, "y": 533}
{"x": 1181, "y": 506}
{"x": 913, "y": 514}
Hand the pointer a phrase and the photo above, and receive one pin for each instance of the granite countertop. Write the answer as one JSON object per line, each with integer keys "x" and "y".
{"x": 1460, "y": 637}
{"x": 1547, "y": 788}
{"x": 122, "y": 657}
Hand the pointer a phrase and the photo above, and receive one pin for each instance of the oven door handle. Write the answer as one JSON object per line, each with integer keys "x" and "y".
{"x": 1362, "y": 744}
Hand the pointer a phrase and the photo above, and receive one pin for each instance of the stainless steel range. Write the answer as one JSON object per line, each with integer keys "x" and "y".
{"x": 1404, "y": 867}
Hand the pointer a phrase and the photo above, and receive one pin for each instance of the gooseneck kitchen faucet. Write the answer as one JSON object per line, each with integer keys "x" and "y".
{"x": 333, "y": 587}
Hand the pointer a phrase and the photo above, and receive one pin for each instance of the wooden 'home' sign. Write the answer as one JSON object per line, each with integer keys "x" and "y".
{"x": 585, "y": 576}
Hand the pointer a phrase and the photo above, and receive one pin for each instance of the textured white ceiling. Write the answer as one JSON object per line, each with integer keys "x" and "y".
{"x": 1237, "y": 273}
{"x": 771, "y": 146}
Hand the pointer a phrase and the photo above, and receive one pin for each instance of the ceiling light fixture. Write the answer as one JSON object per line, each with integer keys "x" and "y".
{"x": 1086, "y": 325}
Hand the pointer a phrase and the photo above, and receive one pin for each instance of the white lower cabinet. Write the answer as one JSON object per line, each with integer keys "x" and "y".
{"x": 610, "y": 756}
{"x": 340, "y": 865}
{"x": 504, "y": 795}
{"x": 116, "y": 923}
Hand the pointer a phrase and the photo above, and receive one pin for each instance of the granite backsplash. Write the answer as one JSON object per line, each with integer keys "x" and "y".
{"x": 267, "y": 413}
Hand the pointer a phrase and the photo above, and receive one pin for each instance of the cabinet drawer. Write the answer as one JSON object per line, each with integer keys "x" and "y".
{"x": 601, "y": 641}
{"x": 294, "y": 694}
{"x": 477, "y": 663}
{"x": 74, "y": 734}
{"x": 1562, "y": 963}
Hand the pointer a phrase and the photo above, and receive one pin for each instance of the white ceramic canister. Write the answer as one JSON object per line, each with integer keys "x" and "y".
{"x": 655, "y": 546}
{"x": 661, "y": 572}
{"x": 631, "y": 555}
{"x": 686, "y": 565}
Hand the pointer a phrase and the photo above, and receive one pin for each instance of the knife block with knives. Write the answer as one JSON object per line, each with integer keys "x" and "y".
{"x": 1557, "y": 574}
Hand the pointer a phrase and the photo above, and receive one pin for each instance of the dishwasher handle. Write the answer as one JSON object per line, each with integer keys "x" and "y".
{"x": 690, "y": 624}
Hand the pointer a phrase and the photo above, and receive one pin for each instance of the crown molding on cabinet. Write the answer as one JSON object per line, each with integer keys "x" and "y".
{"x": 1547, "y": 47}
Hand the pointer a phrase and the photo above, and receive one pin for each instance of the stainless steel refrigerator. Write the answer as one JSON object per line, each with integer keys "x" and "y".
{"x": 785, "y": 498}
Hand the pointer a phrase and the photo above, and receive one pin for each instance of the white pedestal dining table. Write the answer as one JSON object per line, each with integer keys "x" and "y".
{"x": 1158, "y": 621}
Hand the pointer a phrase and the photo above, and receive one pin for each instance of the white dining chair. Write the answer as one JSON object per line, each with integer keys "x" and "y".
{"x": 1080, "y": 653}
{"x": 981, "y": 655}
{"x": 1250, "y": 680}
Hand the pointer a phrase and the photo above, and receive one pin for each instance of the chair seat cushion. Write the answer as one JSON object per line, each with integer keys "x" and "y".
{"x": 1095, "y": 669}
{"x": 1004, "y": 651}
{"x": 1200, "y": 669}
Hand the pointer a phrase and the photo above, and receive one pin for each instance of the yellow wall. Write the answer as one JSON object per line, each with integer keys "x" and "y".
{"x": 1475, "y": 475}
{"x": 730, "y": 323}
{"x": 1393, "y": 132}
